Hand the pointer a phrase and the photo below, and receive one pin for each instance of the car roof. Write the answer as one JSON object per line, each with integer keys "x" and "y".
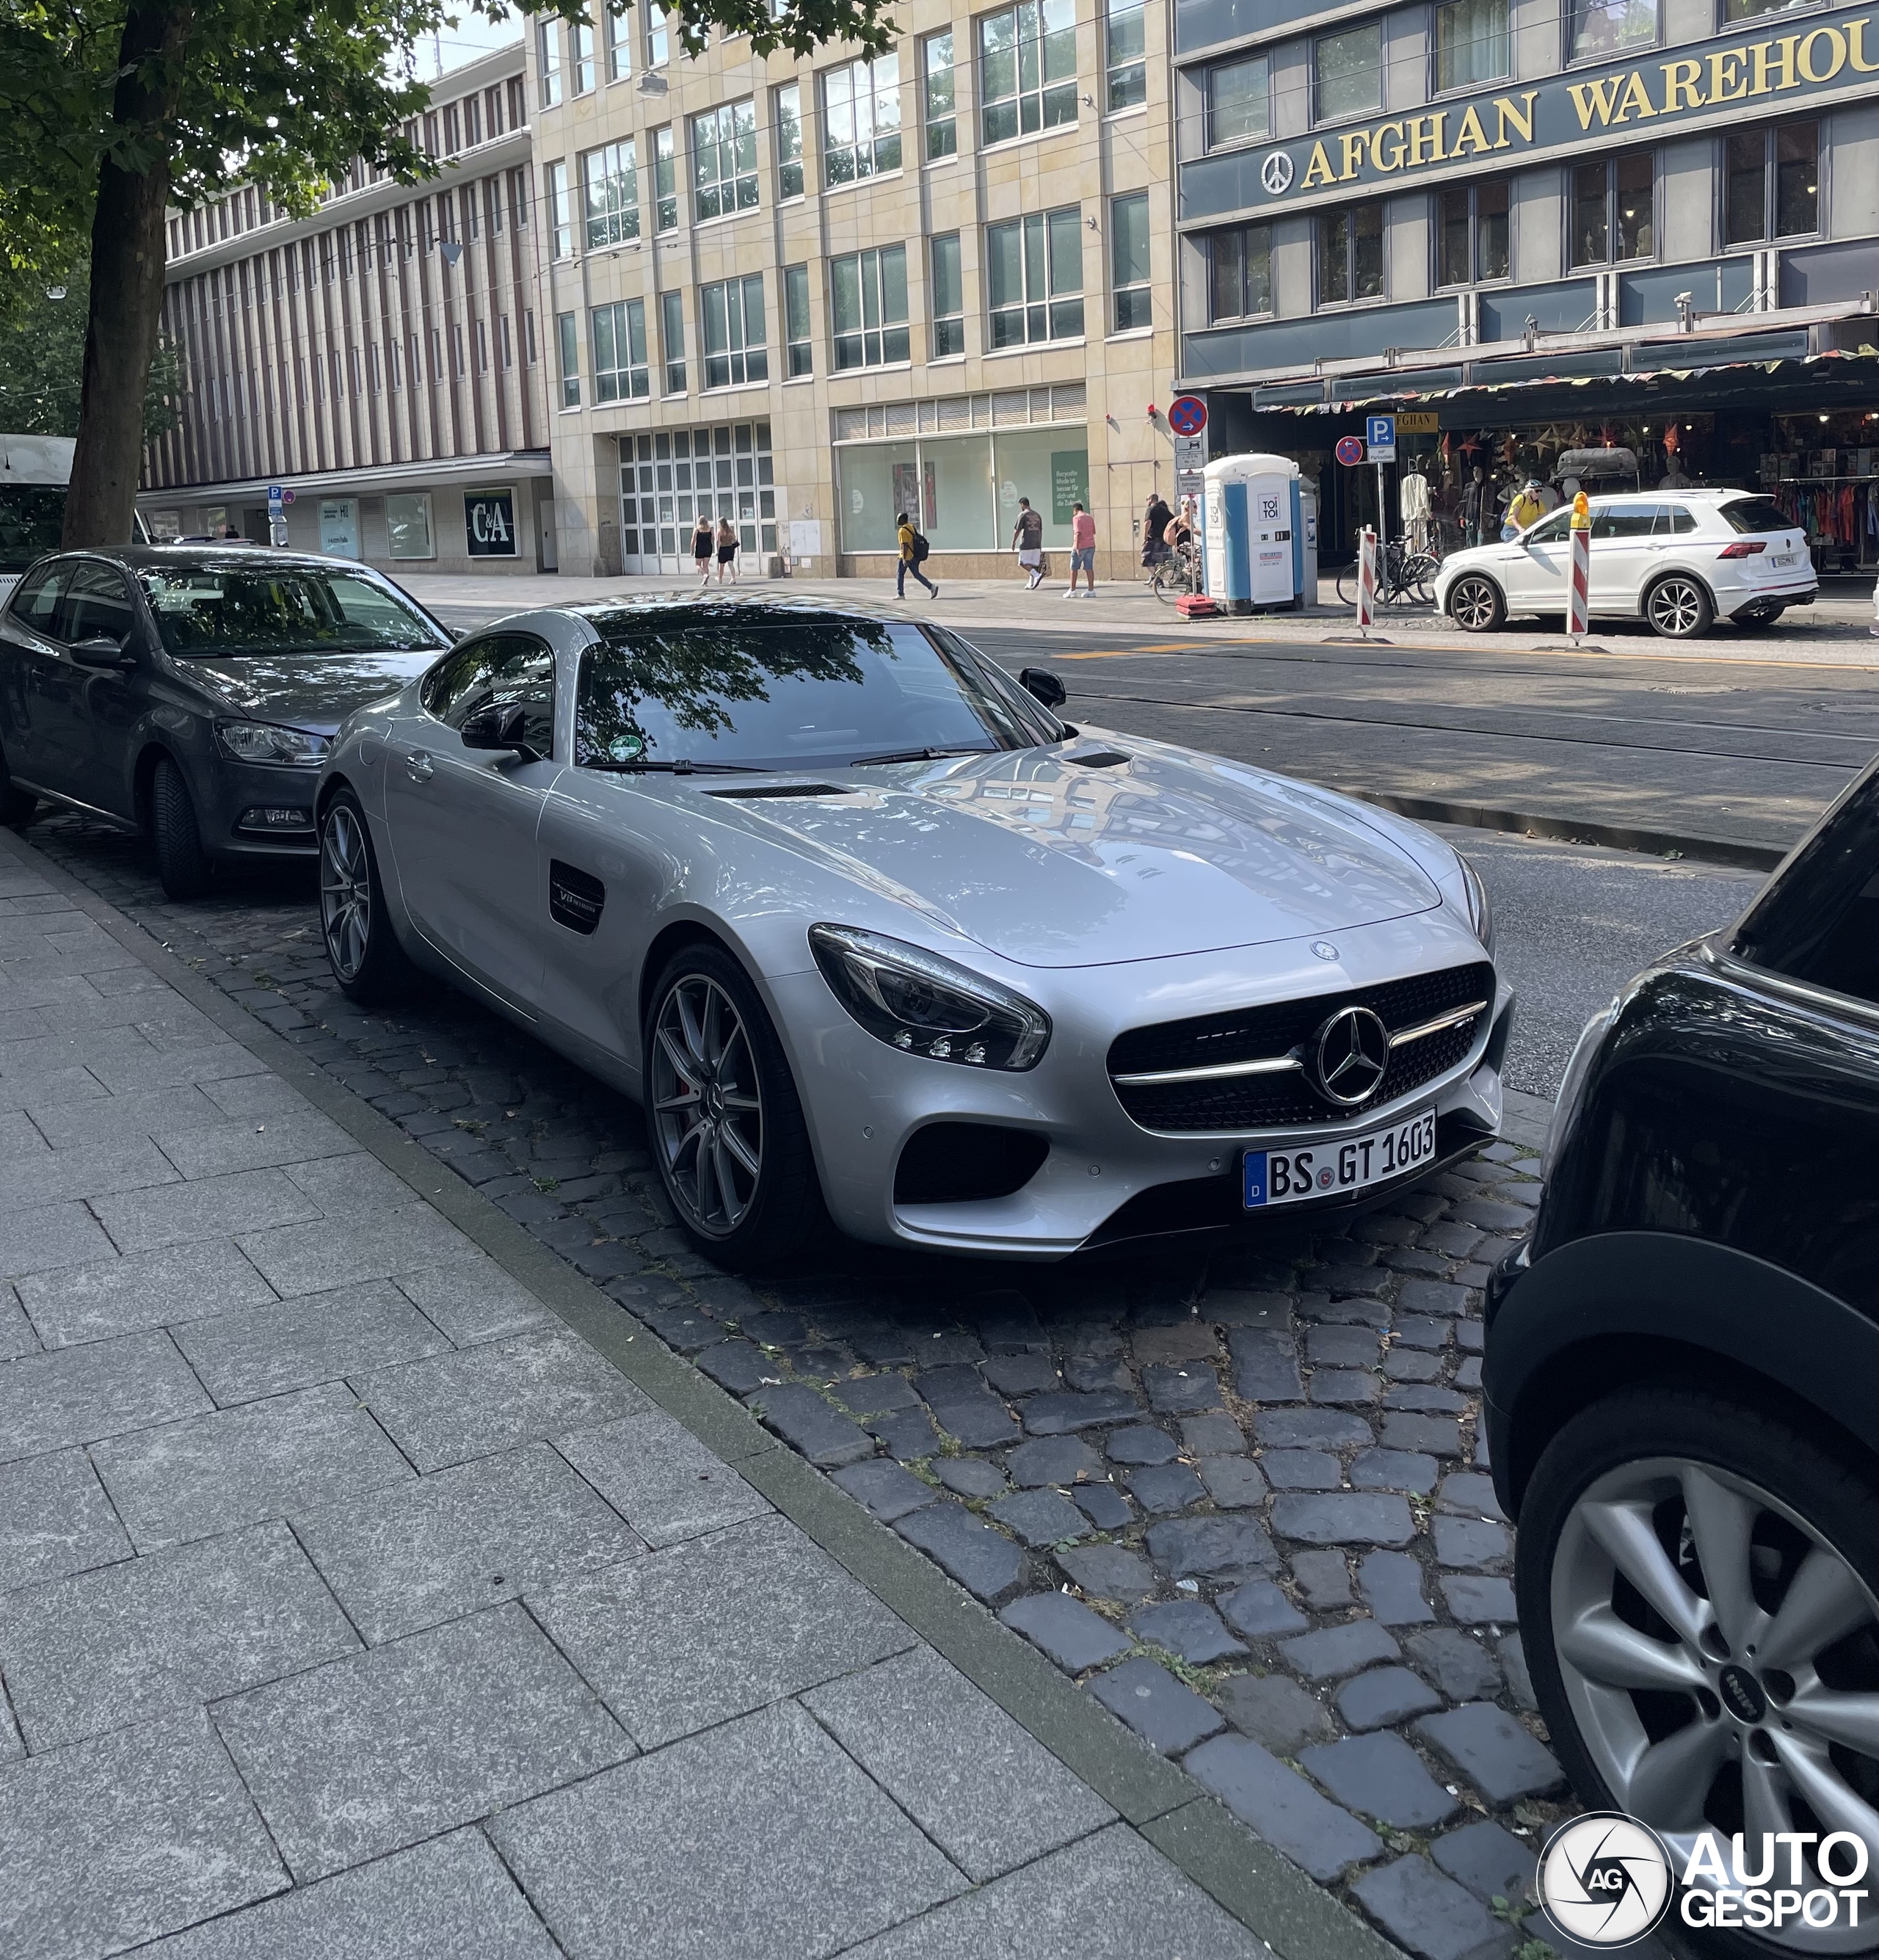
{"x": 1723, "y": 496}
{"x": 219, "y": 557}
{"x": 667, "y": 609}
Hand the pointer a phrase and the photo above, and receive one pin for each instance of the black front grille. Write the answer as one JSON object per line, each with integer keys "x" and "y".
{"x": 1279, "y": 1027}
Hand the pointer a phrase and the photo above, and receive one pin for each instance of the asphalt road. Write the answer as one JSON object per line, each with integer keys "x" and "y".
{"x": 1626, "y": 746}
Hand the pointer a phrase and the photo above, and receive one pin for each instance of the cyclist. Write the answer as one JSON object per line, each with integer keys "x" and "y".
{"x": 1527, "y": 508}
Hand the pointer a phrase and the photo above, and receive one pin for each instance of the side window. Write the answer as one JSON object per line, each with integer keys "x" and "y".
{"x": 1624, "y": 520}
{"x": 493, "y": 672}
{"x": 1819, "y": 921}
{"x": 36, "y": 600}
{"x": 1552, "y": 530}
{"x": 96, "y": 604}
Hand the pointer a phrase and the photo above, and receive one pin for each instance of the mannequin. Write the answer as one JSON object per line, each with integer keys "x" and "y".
{"x": 1673, "y": 478}
{"x": 1413, "y": 492}
{"x": 1473, "y": 493}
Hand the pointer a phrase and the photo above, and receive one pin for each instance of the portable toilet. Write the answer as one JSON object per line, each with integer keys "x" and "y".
{"x": 1255, "y": 533}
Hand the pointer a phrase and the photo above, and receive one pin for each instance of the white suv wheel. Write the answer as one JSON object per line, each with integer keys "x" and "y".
{"x": 1678, "y": 608}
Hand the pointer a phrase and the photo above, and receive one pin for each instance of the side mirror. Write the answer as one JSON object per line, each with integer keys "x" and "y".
{"x": 1044, "y": 685}
{"x": 501, "y": 728}
{"x": 100, "y": 651}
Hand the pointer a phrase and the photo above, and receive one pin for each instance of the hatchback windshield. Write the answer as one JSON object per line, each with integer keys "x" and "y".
{"x": 1756, "y": 514}
{"x": 201, "y": 611}
{"x": 774, "y": 693}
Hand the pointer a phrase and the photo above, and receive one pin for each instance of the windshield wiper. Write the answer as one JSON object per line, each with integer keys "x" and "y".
{"x": 683, "y": 766}
{"x": 917, "y": 755}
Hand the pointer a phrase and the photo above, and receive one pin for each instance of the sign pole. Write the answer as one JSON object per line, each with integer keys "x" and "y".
{"x": 1366, "y": 579}
{"x": 1579, "y": 572}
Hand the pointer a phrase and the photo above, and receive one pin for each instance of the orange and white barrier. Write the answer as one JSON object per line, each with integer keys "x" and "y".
{"x": 1366, "y": 578}
{"x": 1579, "y": 569}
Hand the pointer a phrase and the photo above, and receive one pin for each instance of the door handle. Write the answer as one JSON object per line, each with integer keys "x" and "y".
{"x": 417, "y": 766}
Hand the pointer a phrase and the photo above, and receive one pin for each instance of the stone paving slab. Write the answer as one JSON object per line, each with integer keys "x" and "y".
{"x": 54, "y": 1520}
{"x": 660, "y": 1478}
{"x": 127, "y": 1295}
{"x": 80, "y": 1395}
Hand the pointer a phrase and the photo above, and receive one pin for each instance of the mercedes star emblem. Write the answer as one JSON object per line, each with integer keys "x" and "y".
{"x": 1276, "y": 174}
{"x": 1324, "y": 949}
{"x": 1353, "y": 1051}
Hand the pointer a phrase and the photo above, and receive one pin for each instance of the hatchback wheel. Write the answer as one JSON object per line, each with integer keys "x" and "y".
{"x": 183, "y": 866}
{"x": 1699, "y": 1588}
{"x": 1679, "y": 608}
{"x": 361, "y": 946}
{"x": 1476, "y": 605}
{"x": 726, "y": 1125}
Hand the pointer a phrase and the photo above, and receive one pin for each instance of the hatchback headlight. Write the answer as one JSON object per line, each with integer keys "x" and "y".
{"x": 263, "y": 742}
{"x": 921, "y": 1004}
{"x": 1480, "y": 912}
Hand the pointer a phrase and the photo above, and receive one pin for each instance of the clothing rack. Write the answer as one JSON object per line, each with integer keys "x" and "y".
{"x": 1841, "y": 511}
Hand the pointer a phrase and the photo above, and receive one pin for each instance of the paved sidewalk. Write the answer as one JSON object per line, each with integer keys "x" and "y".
{"x": 351, "y": 1602}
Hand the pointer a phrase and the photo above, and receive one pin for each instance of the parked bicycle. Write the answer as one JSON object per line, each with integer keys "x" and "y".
{"x": 1176, "y": 575}
{"x": 1404, "y": 576}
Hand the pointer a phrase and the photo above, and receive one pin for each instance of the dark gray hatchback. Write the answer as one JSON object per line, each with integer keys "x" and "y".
{"x": 191, "y": 693}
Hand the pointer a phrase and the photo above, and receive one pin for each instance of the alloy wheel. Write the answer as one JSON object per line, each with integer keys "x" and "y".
{"x": 1721, "y": 1661}
{"x": 1474, "y": 604}
{"x": 345, "y": 892}
{"x": 1677, "y": 608}
{"x": 708, "y": 1106}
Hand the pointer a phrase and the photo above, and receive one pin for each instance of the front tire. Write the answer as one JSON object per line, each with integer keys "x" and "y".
{"x": 1476, "y": 604}
{"x": 725, "y": 1122}
{"x": 362, "y": 948}
{"x": 1678, "y": 608}
{"x": 183, "y": 867}
{"x": 1699, "y": 1591}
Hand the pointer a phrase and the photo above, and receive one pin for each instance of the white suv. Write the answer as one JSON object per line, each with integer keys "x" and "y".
{"x": 1681, "y": 558}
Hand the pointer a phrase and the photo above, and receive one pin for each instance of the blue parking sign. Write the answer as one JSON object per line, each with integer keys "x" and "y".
{"x": 1381, "y": 432}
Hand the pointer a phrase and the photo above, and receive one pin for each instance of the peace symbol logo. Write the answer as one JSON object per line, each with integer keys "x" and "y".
{"x": 1276, "y": 174}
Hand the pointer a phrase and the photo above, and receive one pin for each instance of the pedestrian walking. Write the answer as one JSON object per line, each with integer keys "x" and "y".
{"x": 1082, "y": 548}
{"x": 1155, "y": 521}
{"x": 914, "y": 550}
{"x": 727, "y": 550}
{"x": 1027, "y": 540}
{"x": 702, "y": 549}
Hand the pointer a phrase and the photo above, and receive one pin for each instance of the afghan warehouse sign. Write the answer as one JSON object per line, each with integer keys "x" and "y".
{"x": 1732, "y": 78}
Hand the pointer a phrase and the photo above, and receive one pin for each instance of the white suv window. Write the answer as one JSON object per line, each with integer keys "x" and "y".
{"x": 1756, "y": 515}
{"x": 1550, "y": 529}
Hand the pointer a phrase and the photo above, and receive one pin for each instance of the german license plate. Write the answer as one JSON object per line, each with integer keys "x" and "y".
{"x": 1331, "y": 1170}
{"x": 1783, "y": 558}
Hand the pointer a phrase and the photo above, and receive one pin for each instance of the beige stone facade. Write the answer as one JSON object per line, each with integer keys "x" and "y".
{"x": 811, "y": 466}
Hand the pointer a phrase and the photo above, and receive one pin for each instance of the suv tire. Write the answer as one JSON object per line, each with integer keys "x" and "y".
{"x": 1476, "y": 603}
{"x": 1628, "y": 1471}
{"x": 1679, "y": 608}
{"x": 183, "y": 865}
{"x": 722, "y": 1117}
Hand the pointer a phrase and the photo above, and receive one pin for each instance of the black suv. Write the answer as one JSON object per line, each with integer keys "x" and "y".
{"x": 192, "y": 692}
{"x": 1682, "y": 1382}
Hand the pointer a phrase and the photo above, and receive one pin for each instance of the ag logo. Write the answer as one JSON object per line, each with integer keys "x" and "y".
{"x": 1604, "y": 1879}
{"x": 1276, "y": 174}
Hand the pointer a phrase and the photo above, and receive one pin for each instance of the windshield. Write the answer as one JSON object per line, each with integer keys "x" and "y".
{"x": 1754, "y": 514}
{"x": 32, "y": 515}
{"x": 203, "y": 612}
{"x": 776, "y": 693}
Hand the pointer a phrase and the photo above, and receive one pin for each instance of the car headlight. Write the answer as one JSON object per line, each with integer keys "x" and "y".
{"x": 916, "y": 1002}
{"x": 263, "y": 742}
{"x": 1480, "y": 912}
{"x": 1572, "y": 1084}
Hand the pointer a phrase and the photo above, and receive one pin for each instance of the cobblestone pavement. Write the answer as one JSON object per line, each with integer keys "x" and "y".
{"x": 1243, "y": 1501}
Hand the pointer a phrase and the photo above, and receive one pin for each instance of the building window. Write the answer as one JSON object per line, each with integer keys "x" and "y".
{"x": 1752, "y": 9}
{"x": 568, "y": 352}
{"x": 619, "y": 31}
{"x": 1770, "y": 184}
{"x": 868, "y": 291}
{"x": 609, "y": 179}
{"x": 452, "y": 141}
{"x": 548, "y": 41}
{"x": 561, "y": 230}
{"x": 1027, "y": 64}
{"x": 1128, "y": 262}
{"x": 1471, "y": 233}
{"x": 948, "y": 298}
{"x": 861, "y": 120}
{"x": 789, "y": 101}
{"x": 1600, "y": 29}
{"x": 724, "y": 160}
{"x": 1350, "y": 254}
{"x": 1347, "y": 72}
{"x": 665, "y": 180}
{"x": 938, "y": 102}
{"x": 1034, "y": 269}
{"x": 1613, "y": 214}
{"x": 734, "y": 350}
{"x": 620, "y": 373}
{"x": 408, "y": 526}
{"x": 795, "y": 327}
{"x": 1239, "y": 102}
{"x": 580, "y": 49}
{"x": 1239, "y": 273}
{"x": 671, "y": 336}
{"x": 658, "y": 36}
{"x": 1125, "y": 49}
{"x": 1471, "y": 44}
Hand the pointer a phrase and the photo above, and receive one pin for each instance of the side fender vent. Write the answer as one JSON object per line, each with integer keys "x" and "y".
{"x": 962, "y": 1163}
{"x": 575, "y": 897}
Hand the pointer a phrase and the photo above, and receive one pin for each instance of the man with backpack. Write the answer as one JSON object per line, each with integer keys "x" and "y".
{"x": 914, "y": 549}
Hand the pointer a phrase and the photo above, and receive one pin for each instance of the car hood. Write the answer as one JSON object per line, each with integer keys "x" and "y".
{"x": 312, "y": 691}
{"x": 1049, "y": 864}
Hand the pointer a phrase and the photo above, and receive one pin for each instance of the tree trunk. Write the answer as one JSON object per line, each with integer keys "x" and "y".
{"x": 127, "y": 275}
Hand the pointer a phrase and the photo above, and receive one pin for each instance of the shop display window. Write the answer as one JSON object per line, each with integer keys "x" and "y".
{"x": 1471, "y": 238}
{"x": 1612, "y": 216}
{"x": 1239, "y": 268}
{"x": 1350, "y": 254}
{"x": 1771, "y": 183}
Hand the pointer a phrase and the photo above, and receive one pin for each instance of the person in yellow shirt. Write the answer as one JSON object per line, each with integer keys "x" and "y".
{"x": 1527, "y": 507}
{"x": 911, "y": 541}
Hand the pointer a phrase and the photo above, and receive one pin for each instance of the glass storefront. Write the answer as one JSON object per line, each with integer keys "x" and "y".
{"x": 668, "y": 477}
{"x": 963, "y": 491}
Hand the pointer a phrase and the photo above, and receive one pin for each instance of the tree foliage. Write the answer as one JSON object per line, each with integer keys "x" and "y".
{"x": 41, "y": 362}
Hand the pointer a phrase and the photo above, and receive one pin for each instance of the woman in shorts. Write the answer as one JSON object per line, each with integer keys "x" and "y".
{"x": 727, "y": 550}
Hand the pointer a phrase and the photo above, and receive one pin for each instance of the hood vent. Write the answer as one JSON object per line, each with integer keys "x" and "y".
{"x": 786, "y": 790}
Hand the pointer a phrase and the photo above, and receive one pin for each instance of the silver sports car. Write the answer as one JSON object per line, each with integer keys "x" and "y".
{"x": 873, "y": 936}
